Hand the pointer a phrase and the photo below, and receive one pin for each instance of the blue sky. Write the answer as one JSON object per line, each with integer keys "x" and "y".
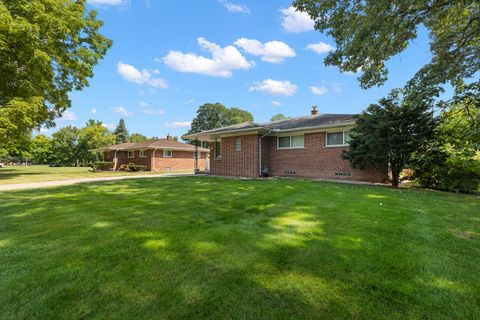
{"x": 169, "y": 57}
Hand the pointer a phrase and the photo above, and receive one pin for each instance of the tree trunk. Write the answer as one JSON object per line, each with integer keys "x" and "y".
{"x": 395, "y": 177}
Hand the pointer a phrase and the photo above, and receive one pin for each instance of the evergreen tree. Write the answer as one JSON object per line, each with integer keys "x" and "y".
{"x": 388, "y": 133}
{"x": 120, "y": 132}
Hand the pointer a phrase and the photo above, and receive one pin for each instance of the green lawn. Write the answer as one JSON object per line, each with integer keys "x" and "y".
{"x": 24, "y": 174}
{"x": 210, "y": 248}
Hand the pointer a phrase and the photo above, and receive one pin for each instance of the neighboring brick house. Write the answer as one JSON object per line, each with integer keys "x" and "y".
{"x": 309, "y": 147}
{"x": 157, "y": 155}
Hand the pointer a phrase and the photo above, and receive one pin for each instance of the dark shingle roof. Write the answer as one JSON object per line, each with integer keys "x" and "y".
{"x": 323, "y": 120}
{"x": 152, "y": 144}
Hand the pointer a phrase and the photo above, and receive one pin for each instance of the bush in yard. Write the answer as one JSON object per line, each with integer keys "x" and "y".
{"x": 101, "y": 166}
{"x": 135, "y": 167}
{"x": 451, "y": 161}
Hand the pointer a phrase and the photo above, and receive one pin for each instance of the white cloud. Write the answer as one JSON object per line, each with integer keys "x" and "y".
{"x": 223, "y": 61}
{"x": 122, "y": 111}
{"x": 337, "y": 87}
{"x": 93, "y": 111}
{"x": 109, "y": 126}
{"x": 295, "y": 21}
{"x": 107, "y": 2}
{"x": 68, "y": 116}
{"x": 271, "y": 51}
{"x": 320, "y": 47}
{"x": 235, "y": 8}
{"x": 132, "y": 74}
{"x": 318, "y": 90}
{"x": 275, "y": 87}
{"x": 153, "y": 112}
{"x": 143, "y": 104}
{"x": 277, "y": 103}
{"x": 178, "y": 124}
{"x": 189, "y": 101}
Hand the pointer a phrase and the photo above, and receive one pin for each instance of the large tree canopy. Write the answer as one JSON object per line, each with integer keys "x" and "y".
{"x": 47, "y": 49}
{"x": 212, "y": 116}
{"x": 368, "y": 33}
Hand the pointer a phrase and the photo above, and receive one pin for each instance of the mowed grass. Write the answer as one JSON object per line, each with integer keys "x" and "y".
{"x": 26, "y": 174}
{"x": 211, "y": 248}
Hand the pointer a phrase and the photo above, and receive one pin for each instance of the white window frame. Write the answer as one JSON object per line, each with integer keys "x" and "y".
{"x": 171, "y": 153}
{"x": 238, "y": 144}
{"x": 344, "y": 144}
{"x": 128, "y": 154}
{"x": 290, "y": 136}
{"x": 142, "y": 153}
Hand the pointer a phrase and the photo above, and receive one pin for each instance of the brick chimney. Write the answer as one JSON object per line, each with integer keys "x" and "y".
{"x": 169, "y": 137}
{"x": 314, "y": 111}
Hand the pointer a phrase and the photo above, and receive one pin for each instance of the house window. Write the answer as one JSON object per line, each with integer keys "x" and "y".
{"x": 130, "y": 154}
{"x": 238, "y": 144}
{"x": 289, "y": 142}
{"x": 217, "y": 150}
{"x": 143, "y": 153}
{"x": 340, "y": 138}
{"x": 167, "y": 153}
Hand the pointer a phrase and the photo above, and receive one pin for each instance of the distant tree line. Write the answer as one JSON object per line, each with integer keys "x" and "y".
{"x": 70, "y": 146}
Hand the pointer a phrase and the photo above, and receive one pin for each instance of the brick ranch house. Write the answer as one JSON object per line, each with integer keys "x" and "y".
{"x": 157, "y": 155}
{"x": 309, "y": 147}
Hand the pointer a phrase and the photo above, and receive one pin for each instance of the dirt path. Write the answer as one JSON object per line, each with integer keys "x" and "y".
{"x": 45, "y": 184}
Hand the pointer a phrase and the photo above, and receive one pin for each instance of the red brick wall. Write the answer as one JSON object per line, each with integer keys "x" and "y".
{"x": 242, "y": 163}
{"x": 316, "y": 160}
{"x": 181, "y": 160}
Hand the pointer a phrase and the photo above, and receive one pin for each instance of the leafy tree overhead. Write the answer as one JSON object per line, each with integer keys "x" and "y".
{"x": 368, "y": 33}
{"x": 278, "y": 117}
{"x": 212, "y": 116}
{"x": 48, "y": 48}
{"x": 121, "y": 132}
{"x": 137, "y": 137}
{"x": 388, "y": 133}
{"x": 41, "y": 149}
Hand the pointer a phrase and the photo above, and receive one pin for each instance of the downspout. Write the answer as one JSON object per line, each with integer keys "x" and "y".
{"x": 260, "y": 152}
{"x": 154, "y": 160}
{"x": 116, "y": 160}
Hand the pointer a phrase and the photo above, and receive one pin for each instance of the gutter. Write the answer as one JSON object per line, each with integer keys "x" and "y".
{"x": 154, "y": 159}
{"x": 116, "y": 160}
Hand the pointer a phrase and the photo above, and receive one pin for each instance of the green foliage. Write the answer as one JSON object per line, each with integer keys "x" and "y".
{"x": 137, "y": 137}
{"x": 388, "y": 133}
{"x": 132, "y": 167}
{"x": 48, "y": 48}
{"x": 279, "y": 116}
{"x": 72, "y": 146}
{"x": 102, "y": 165}
{"x": 65, "y": 146}
{"x": 41, "y": 149}
{"x": 368, "y": 33}
{"x": 121, "y": 132}
{"x": 212, "y": 116}
{"x": 451, "y": 161}
{"x": 93, "y": 135}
